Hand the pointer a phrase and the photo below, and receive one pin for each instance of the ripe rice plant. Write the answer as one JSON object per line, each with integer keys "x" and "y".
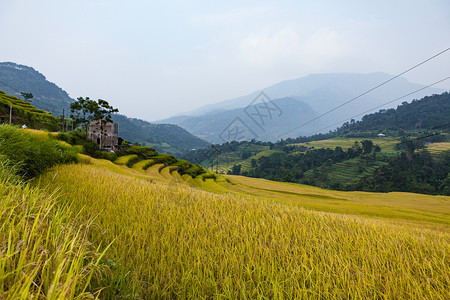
{"x": 174, "y": 241}
{"x": 44, "y": 250}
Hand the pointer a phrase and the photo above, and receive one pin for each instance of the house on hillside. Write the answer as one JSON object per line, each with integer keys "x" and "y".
{"x": 106, "y": 140}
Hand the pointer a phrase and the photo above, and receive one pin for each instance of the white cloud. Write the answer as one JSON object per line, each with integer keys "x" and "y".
{"x": 269, "y": 48}
{"x": 290, "y": 45}
{"x": 324, "y": 45}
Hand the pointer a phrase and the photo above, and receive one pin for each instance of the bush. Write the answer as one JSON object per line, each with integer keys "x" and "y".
{"x": 30, "y": 154}
{"x": 132, "y": 161}
{"x": 91, "y": 149}
{"x": 73, "y": 137}
{"x": 106, "y": 155}
{"x": 142, "y": 152}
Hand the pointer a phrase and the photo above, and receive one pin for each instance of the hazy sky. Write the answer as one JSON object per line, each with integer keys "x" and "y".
{"x": 154, "y": 59}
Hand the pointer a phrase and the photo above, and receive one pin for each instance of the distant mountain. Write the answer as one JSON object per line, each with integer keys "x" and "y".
{"x": 321, "y": 93}
{"x": 165, "y": 138}
{"x": 15, "y": 78}
{"x": 168, "y": 138}
{"x": 255, "y": 122}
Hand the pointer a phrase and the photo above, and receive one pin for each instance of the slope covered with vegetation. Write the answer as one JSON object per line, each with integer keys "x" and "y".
{"x": 167, "y": 138}
{"x": 44, "y": 248}
{"x": 48, "y": 96}
{"x": 164, "y": 138}
{"x": 126, "y": 231}
{"x": 174, "y": 241}
{"x": 24, "y": 113}
{"x": 428, "y": 113}
{"x": 353, "y": 157}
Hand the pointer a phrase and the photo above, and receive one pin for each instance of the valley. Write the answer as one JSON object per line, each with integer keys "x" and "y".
{"x": 78, "y": 222}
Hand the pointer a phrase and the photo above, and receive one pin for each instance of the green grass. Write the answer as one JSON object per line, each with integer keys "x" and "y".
{"x": 30, "y": 154}
{"x": 346, "y": 172}
{"x": 229, "y": 159}
{"x": 25, "y": 113}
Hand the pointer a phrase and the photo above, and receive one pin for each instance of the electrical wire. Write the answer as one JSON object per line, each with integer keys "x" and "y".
{"x": 386, "y": 103}
{"x": 366, "y": 92}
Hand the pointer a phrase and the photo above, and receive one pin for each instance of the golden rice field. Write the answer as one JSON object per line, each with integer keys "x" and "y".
{"x": 436, "y": 148}
{"x": 253, "y": 239}
{"x": 45, "y": 253}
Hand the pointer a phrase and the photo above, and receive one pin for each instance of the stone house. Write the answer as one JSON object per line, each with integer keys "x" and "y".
{"x": 109, "y": 140}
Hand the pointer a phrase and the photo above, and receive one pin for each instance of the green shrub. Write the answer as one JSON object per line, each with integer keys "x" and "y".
{"x": 106, "y": 155}
{"x": 132, "y": 161}
{"x": 30, "y": 154}
{"x": 165, "y": 158}
{"x": 91, "y": 149}
{"x": 141, "y": 151}
{"x": 73, "y": 137}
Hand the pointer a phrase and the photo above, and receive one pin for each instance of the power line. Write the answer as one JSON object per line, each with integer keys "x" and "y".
{"x": 10, "y": 86}
{"x": 420, "y": 138}
{"x": 366, "y": 92}
{"x": 396, "y": 99}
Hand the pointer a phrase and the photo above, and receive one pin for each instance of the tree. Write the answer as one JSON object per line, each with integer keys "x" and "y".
{"x": 235, "y": 170}
{"x": 86, "y": 110}
{"x": 82, "y": 111}
{"x": 367, "y": 146}
{"x": 27, "y": 96}
{"x": 103, "y": 113}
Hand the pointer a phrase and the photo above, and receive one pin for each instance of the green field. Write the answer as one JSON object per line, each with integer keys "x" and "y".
{"x": 386, "y": 144}
{"x": 227, "y": 160}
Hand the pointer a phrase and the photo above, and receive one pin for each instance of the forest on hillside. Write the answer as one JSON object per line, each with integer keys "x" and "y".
{"x": 428, "y": 113}
{"x": 410, "y": 167}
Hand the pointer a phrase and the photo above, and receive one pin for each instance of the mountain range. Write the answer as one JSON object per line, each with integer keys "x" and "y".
{"x": 165, "y": 138}
{"x": 15, "y": 78}
{"x": 301, "y": 103}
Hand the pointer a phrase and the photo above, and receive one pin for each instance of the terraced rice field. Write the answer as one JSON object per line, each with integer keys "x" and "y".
{"x": 386, "y": 144}
{"x": 426, "y": 209}
{"x": 350, "y": 170}
{"x": 236, "y": 237}
{"x": 437, "y": 148}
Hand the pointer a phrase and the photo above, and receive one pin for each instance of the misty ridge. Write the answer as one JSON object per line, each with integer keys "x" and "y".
{"x": 299, "y": 101}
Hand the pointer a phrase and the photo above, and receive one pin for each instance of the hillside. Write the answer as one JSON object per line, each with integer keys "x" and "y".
{"x": 24, "y": 113}
{"x": 430, "y": 112}
{"x": 165, "y": 138}
{"x": 48, "y": 96}
{"x": 320, "y": 92}
{"x": 161, "y": 234}
{"x": 353, "y": 157}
